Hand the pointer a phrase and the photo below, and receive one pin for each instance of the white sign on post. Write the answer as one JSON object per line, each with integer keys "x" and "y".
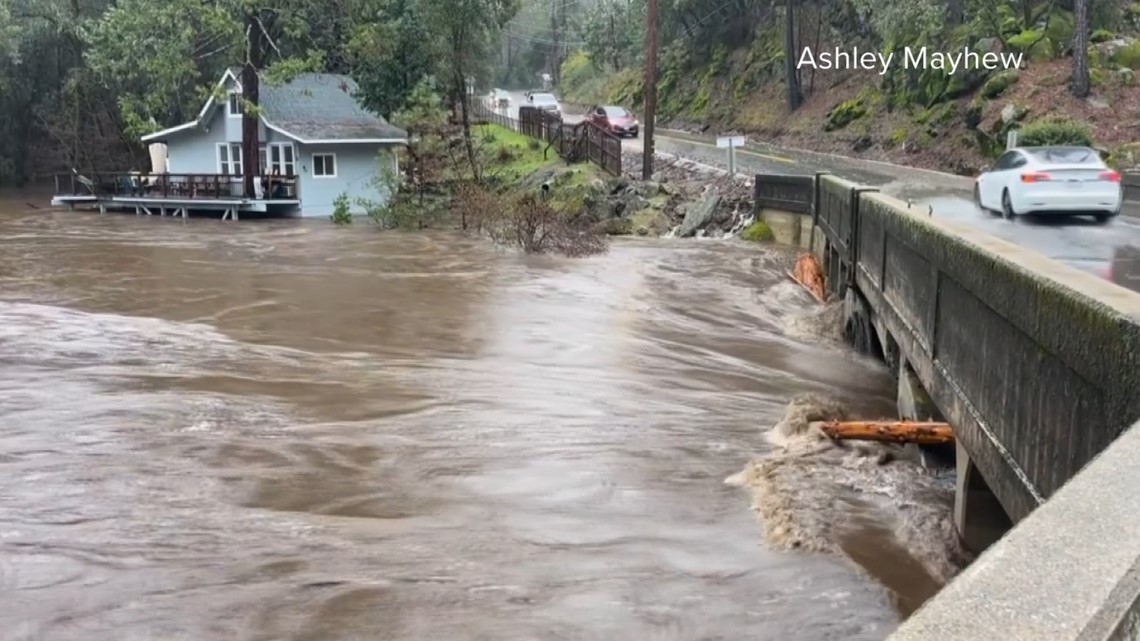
{"x": 731, "y": 142}
{"x": 1011, "y": 139}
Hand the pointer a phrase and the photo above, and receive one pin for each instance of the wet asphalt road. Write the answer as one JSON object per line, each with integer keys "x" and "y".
{"x": 1073, "y": 240}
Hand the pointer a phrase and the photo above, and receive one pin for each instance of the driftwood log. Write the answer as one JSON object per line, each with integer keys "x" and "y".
{"x": 889, "y": 431}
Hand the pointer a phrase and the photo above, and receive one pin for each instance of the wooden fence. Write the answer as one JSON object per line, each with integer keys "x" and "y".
{"x": 573, "y": 142}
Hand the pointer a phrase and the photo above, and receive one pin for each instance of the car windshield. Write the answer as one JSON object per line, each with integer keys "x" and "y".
{"x": 615, "y": 112}
{"x": 544, "y": 98}
{"x": 1066, "y": 155}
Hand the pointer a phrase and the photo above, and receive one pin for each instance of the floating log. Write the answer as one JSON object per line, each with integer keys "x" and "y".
{"x": 889, "y": 431}
{"x": 809, "y": 274}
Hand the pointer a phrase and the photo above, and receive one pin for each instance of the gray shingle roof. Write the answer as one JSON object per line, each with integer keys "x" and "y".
{"x": 321, "y": 106}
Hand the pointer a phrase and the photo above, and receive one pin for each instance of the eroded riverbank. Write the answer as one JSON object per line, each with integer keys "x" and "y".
{"x": 290, "y": 430}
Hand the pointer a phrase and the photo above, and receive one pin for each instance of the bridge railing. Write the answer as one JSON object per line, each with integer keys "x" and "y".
{"x": 788, "y": 193}
{"x": 1035, "y": 363}
{"x": 1130, "y": 182}
{"x": 1068, "y": 572}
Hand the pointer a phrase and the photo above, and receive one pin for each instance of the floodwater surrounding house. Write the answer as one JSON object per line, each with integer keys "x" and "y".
{"x": 317, "y": 143}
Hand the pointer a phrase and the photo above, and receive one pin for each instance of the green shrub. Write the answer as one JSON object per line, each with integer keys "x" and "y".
{"x": 999, "y": 82}
{"x": 1128, "y": 56}
{"x": 341, "y": 214}
{"x": 1054, "y": 131}
{"x": 1033, "y": 42}
{"x": 533, "y": 145}
{"x": 1101, "y": 35}
{"x": 844, "y": 114}
{"x": 757, "y": 232}
{"x": 578, "y": 71}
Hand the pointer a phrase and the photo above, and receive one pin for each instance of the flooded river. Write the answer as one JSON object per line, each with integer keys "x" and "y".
{"x": 291, "y": 431}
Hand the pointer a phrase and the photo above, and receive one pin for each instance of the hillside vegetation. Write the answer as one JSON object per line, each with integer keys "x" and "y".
{"x": 729, "y": 73}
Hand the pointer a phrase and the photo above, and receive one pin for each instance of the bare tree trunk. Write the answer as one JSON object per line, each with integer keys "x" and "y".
{"x": 1081, "y": 81}
{"x": 795, "y": 97}
{"x": 250, "y": 95}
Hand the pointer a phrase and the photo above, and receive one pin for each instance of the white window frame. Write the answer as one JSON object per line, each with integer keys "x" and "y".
{"x": 233, "y": 154}
{"x": 314, "y": 165}
{"x": 230, "y": 105}
{"x": 287, "y": 168}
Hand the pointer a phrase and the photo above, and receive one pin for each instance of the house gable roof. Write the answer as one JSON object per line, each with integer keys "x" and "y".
{"x": 310, "y": 108}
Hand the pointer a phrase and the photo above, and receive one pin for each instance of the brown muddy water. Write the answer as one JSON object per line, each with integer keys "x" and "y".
{"x": 286, "y": 430}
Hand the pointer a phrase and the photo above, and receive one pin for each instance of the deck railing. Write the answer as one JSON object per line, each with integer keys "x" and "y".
{"x": 173, "y": 186}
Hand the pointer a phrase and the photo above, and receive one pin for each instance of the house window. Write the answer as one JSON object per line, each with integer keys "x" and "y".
{"x": 324, "y": 165}
{"x": 229, "y": 159}
{"x": 282, "y": 159}
{"x": 261, "y": 161}
{"x": 234, "y": 105}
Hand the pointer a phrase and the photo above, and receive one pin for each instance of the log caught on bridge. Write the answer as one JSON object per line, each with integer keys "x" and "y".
{"x": 809, "y": 274}
{"x": 889, "y": 431}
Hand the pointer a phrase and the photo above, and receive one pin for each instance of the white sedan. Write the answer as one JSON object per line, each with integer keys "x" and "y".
{"x": 1053, "y": 180}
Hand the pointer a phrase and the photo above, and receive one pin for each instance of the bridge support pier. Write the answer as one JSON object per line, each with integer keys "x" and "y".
{"x": 978, "y": 516}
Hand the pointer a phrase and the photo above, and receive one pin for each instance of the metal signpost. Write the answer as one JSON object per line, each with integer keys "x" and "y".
{"x": 731, "y": 143}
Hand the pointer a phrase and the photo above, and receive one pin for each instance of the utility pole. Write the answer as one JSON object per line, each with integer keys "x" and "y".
{"x": 556, "y": 45}
{"x": 650, "y": 88}
{"x": 250, "y": 93}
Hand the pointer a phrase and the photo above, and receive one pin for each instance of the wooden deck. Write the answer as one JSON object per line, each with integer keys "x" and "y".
{"x": 176, "y": 194}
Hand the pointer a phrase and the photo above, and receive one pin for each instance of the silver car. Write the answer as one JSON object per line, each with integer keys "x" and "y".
{"x": 546, "y": 102}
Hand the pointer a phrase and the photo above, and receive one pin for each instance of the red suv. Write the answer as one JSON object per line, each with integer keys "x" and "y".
{"x": 615, "y": 120}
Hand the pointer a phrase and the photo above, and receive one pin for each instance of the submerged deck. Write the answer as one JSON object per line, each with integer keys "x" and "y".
{"x": 177, "y": 194}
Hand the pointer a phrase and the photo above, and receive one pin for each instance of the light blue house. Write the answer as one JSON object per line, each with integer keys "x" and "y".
{"x": 314, "y": 135}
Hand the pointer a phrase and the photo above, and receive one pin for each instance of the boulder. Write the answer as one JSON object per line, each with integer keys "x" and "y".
{"x": 615, "y": 227}
{"x": 1011, "y": 113}
{"x": 698, "y": 215}
{"x": 650, "y": 222}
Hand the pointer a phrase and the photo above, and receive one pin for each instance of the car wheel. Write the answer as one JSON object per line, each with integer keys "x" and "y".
{"x": 1006, "y": 206}
{"x": 1104, "y": 217}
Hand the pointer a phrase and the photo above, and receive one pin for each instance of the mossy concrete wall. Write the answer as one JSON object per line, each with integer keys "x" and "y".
{"x": 788, "y": 228}
{"x": 1034, "y": 363}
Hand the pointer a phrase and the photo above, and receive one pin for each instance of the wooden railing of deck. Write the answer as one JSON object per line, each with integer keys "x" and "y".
{"x": 173, "y": 186}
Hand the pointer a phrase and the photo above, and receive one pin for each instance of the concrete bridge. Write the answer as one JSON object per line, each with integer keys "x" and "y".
{"x": 1034, "y": 363}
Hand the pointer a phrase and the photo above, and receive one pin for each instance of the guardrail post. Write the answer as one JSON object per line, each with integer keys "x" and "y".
{"x": 853, "y": 234}
{"x": 815, "y": 183}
